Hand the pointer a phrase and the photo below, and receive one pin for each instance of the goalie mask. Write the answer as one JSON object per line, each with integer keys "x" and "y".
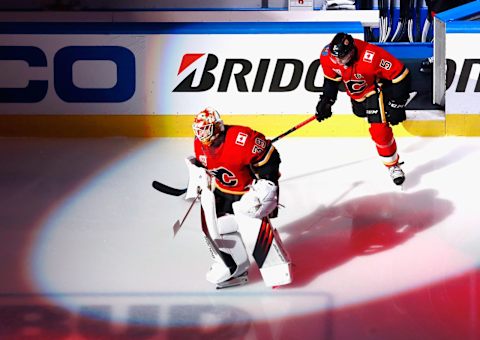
{"x": 342, "y": 48}
{"x": 207, "y": 126}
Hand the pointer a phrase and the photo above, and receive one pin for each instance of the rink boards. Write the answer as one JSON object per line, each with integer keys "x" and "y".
{"x": 149, "y": 79}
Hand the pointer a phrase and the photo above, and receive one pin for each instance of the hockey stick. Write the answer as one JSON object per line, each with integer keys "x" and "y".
{"x": 296, "y": 127}
{"x": 167, "y": 189}
{"x": 411, "y": 10}
{"x": 383, "y": 22}
{"x": 391, "y": 17}
{"x": 426, "y": 28}
{"x": 177, "y": 225}
{"x": 402, "y": 22}
{"x": 177, "y": 192}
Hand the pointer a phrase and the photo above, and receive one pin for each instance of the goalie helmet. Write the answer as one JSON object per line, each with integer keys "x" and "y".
{"x": 342, "y": 48}
{"x": 208, "y": 125}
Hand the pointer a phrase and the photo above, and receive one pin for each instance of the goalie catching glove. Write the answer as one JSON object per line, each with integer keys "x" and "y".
{"x": 260, "y": 200}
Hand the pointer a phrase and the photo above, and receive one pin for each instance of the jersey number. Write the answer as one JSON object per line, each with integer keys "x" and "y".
{"x": 259, "y": 146}
{"x": 385, "y": 64}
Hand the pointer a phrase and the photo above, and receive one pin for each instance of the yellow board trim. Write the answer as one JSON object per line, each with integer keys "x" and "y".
{"x": 339, "y": 125}
{"x": 463, "y": 124}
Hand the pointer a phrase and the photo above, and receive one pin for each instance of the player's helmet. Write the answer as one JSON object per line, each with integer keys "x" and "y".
{"x": 208, "y": 125}
{"x": 342, "y": 47}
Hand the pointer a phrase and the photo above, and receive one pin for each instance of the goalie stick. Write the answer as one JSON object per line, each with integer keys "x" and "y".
{"x": 178, "y": 192}
{"x": 178, "y": 224}
{"x": 167, "y": 189}
{"x": 405, "y": 22}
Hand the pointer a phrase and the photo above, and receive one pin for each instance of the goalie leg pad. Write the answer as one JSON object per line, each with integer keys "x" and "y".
{"x": 234, "y": 255}
{"x": 266, "y": 247}
{"x": 234, "y": 259}
{"x": 207, "y": 200}
{"x": 276, "y": 268}
{"x": 227, "y": 224}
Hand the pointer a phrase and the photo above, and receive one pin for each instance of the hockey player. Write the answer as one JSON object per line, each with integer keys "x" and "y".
{"x": 244, "y": 166}
{"x": 378, "y": 85}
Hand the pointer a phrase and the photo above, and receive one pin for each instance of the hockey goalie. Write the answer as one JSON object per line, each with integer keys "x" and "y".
{"x": 235, "y": 172}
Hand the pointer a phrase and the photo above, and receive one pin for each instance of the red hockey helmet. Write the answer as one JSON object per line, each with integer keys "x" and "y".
{"x": 207, "y": 125}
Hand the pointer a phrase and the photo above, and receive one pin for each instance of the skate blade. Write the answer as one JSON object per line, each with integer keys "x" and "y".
{"x": 176, "y": 228}
{"x": 237, "y": 281}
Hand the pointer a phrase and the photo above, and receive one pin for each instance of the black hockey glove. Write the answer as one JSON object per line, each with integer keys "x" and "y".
{"x": 324, "y": 108}
{"x": 396, "y": 111}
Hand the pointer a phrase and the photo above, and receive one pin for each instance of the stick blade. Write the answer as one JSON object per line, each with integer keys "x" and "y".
{"x": 167, "y": 189}
{"x": 176, "y": 228}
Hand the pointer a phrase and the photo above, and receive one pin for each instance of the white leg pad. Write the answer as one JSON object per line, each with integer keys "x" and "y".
{"x": 227, "y": 224}
{"x": 276, "y": 270}
{"x": 266, "y": 247}
{"x": 230, "y": 244}
{"x": 218, "y": 272}
{"x": 207, "y": 200}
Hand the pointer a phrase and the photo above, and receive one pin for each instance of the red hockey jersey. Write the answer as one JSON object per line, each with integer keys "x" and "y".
{"x": 373, "y": 63}
{"x": 233, "y": 162}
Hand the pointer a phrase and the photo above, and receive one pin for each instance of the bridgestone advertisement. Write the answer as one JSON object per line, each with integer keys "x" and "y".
{"x": 170, "y": 74}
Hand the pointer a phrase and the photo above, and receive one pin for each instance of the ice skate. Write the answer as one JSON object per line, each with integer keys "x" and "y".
{"x": 234, "y": 281}
{"x": 397, "y": 175}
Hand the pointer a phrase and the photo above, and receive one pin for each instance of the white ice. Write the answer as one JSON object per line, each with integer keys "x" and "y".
{"x": 80, "y": 225}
